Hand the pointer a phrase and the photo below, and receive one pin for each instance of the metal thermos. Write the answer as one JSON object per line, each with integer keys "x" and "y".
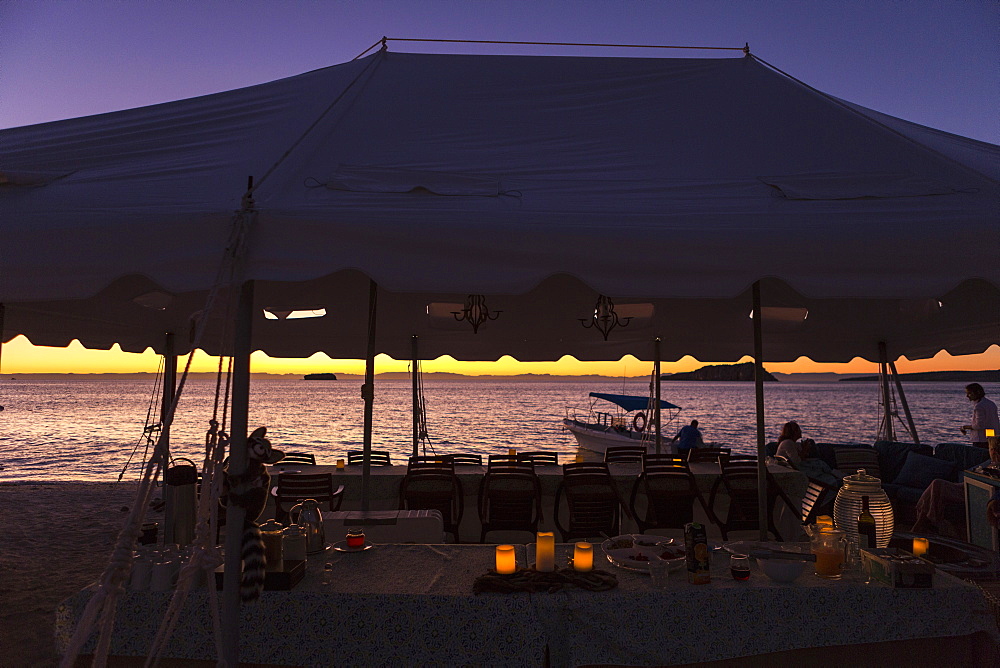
{"x": 306, "y": 513}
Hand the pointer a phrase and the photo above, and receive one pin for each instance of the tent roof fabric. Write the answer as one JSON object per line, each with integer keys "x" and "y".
{"x": 540, "y": 182}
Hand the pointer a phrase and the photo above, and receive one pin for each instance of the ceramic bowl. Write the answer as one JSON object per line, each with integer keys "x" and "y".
{"x": 783, "y": 570}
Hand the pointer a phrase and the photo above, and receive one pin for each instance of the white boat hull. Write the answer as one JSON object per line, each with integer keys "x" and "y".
{"x": 597, "y": 438}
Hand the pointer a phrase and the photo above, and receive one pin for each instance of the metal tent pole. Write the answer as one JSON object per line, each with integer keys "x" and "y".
{"x": 656, "y": 410}
{"x": 169, "y": 387}
{"x": 758, "y": 382}
{"x": 416, "y": 396}
{"x": 235, "y": 515}
{"x": 883, "y": 375}
{"x": 906, "y": 406}
{"x": 368, "y": 394}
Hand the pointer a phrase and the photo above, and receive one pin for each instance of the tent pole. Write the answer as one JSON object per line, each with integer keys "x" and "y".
{"x": 656, "y": 409}
{"x": 758, "y": 382}
{"x": 368, "y": 394}
{"x": 906, "y": 406}
{"x": 169, "y": 388}
{"x": 235, "y": 515}
{"x": 416, "y": 396}
{"x": 883, "y": 375}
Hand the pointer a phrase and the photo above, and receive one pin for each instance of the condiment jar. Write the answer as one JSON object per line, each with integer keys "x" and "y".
{"x": 356, "y": 537}
{"x": 293, "y": 543}
{"x": 270, "y": 533}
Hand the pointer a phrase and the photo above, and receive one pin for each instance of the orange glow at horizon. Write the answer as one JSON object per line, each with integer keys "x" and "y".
{"x": 20, "y": 356}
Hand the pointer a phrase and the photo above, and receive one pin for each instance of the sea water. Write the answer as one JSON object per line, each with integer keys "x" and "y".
{"x": 90, "y": 427}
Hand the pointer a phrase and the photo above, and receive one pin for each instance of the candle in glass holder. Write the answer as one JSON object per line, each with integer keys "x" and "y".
{"x": 920, "y": 546}
{"x": 506, "y": 563}
{"x": 824, "y": 521}
{"x": 579, "y": 458}
{"x": 545, "y": 552}
{"x": 583, "y": 557}
{"x": 340, "y": 464}
{"x": 512, "y": 452}
{"x": 990, "y": 433}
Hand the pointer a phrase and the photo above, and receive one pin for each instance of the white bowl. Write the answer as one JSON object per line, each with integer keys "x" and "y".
{"x": 783, "y": 570}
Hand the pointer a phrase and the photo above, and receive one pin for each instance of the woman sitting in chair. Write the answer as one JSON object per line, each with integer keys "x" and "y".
{"x": 802, "y": 455}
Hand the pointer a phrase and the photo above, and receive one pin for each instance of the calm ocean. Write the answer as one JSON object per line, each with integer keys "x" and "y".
{"x": 86, "y": 428}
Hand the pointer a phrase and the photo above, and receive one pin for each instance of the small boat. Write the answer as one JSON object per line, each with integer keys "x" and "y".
{"x": 627, "y": 425}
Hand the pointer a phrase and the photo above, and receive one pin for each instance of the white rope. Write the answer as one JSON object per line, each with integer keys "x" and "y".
{"x": 105, "y": 599}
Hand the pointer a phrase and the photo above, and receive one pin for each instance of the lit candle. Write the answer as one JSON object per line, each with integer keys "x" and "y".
{"x": 824, "y": 521}
{"x": 583, "y": 557}
{"x": 990, "y": 433}
{"x": 506, "y": 564}
{"x": 545, "y": 552}
{"x": 920, "y": 546}
{"x": 340, "y": 464}
{"x": 512, "y": 452}
{"x": 579, "y": 458}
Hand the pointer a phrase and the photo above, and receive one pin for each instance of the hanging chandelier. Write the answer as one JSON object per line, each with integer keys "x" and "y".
{"x": 605, "y": 317}
{"x": 476, "y": 312}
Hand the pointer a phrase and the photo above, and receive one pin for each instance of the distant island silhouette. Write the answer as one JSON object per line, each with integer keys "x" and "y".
{"x": 320, "y": 376}
{"x": 737, "y": 372}
{"x": 939, "y": 376}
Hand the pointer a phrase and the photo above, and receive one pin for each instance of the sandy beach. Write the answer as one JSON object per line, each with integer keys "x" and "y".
{"x": 57, "y": 540}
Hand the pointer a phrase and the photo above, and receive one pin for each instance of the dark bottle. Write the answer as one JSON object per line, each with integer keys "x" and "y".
{"x": 866, "y": 527}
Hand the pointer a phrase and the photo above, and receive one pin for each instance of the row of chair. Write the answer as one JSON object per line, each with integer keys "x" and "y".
{"x": 614, "y": 454}
{"x": 510, "y": 496}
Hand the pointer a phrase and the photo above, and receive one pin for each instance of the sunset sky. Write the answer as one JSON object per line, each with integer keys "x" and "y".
{"x": 930, "y": 62}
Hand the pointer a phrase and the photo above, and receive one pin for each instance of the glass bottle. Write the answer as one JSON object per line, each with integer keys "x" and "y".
{"x": 866, "y": 526}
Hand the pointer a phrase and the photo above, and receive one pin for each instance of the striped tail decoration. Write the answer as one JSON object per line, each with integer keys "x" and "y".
{"x": 254, "y": 564}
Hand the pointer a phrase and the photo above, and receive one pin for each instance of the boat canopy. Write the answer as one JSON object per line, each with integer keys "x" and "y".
{"x": 632, "y": 402}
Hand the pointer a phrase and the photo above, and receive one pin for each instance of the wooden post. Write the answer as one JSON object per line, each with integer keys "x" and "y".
{"x": 169, "y": 389}
{"x": 235, "y": 515}
{"x": 416, "y": 396}
{"x": 368, "y": 394}
{"x": 656, "y": 410}
{"x": 758, "y": 382}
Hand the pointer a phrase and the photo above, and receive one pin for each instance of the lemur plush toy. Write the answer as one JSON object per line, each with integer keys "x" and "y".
{"x": 250, "y": 491}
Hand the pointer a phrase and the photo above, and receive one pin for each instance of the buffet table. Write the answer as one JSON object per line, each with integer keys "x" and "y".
{"x": 385, "y": 480}
{"x": 413, "y": 604}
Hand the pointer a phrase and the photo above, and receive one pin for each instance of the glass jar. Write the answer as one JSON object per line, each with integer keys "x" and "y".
{"x": 828, "y": 545}
{"x": 270, "y": 533}
{"x": 356, "y": 538}
{"x": 293, "y": 544}
{"x": 848, "y": 504}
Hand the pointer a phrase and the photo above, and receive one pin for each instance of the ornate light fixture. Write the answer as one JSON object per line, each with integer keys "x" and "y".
{"x": 605, "y": 318}
{"x": 476, "y": 312}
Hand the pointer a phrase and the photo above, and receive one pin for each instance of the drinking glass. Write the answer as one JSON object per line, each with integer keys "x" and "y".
{"x": 659, "y": 570}
{"x": 739, "y": 566}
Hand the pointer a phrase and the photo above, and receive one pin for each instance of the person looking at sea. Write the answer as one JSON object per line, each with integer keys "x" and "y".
{"x": 688, "y": 438}
{"x": 984, "y": 415}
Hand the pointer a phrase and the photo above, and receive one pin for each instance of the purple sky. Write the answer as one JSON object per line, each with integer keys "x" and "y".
{"x": 934, "y": 63}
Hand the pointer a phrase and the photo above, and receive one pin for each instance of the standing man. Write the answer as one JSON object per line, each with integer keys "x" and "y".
{"x": 687, "y": 438}
{"x": 984, "y": 415}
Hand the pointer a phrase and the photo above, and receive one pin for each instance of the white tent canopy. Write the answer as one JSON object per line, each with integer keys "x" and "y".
{"x": 539, "y": 182}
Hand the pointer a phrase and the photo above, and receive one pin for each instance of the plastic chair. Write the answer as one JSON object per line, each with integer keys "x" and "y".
{"x": 540, "y": 457}
{"x": 739, "y": 479}
{"x": 624, "y": 453}
{"x": 434, "y": 486}
{"x": 306, "y": 458}
{"x": 294, "y": 487}
{"x": 378, "y": 457}
{"x": 708, "y": 454}
{"x": 670, "y": 491}
{"x": 594, "y": 507}
{"x": 465, "y": 459}
{"x": 815, "y": 501}
{"x": 514, "y": 462}
{"x": 510, "y": 499}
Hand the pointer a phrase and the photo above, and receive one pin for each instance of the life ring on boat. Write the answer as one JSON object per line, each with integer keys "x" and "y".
{"x": 639, "y": 422}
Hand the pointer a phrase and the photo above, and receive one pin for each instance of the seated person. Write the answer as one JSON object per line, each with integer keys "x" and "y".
{"x": 932, "y": 506}
{"x": 802, "y": 455}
